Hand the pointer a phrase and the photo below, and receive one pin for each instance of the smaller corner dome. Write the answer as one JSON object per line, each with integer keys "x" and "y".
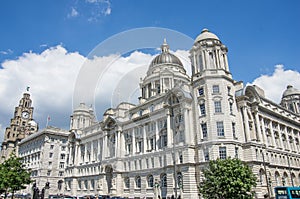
{"x": 206, "y": 34}
{"x": 165, "y": 57}
{"x": 290, "y": 90}
{"x": 32, "y": 123}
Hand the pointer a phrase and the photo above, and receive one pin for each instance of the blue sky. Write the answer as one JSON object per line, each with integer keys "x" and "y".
{"x": 260, "y": 35}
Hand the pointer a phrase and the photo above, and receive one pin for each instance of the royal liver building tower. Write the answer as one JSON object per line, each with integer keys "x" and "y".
{"x": 158, "y": 148}
{"x": 21, "y": 126}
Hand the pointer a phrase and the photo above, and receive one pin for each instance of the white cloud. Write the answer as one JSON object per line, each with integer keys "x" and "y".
{"x": 275, "y": 84}
{"x": 50, "y": 75}
{"x": 73, "y": 13}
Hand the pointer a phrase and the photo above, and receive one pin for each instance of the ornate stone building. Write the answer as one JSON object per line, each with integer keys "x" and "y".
{"x": 21, "y": 125}
{"x": 159, "y": 146}
{"x": 45, "y": 154}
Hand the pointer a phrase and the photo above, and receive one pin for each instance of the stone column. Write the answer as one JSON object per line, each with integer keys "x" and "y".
{"x": 104, "y": 146}
{"x": 195, "y": 63}
{"x": 264, "y": 132}
{"x": 272, "y": 134}
{"x": 246, "y": 123}
{"x": 259, "y": 135}
{"x": 169, "y": 129}
{"x": 288, "y": 147}
{"x": 76, "y": 155}
{"x": 144, "y": 139}
{"x": 156, "y": 135}
{"x": 117, "y": 143}
{"x": 187, "y": 132}
{"x": 133, "y": 142}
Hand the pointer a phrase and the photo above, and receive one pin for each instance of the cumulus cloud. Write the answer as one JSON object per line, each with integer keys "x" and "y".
{"x": 275, "y": 84}
{"x": 51, "y": 76}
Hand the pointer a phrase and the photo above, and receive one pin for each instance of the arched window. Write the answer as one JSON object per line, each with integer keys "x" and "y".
{"x": 261, "y": 176}
{"x": 86, "y": 184}
{"x": 179, "y": 180}
{"x": 293, "y": 177}
{"x": 284, "y": 179}
{"x": 138, "y": 182}
{"x": 277, "y": 178}
{"x": 79, "y": 184}
{"x": 127, "y": 183}
{"x": 163, "y": 180}
{"x": 150, "y": 181}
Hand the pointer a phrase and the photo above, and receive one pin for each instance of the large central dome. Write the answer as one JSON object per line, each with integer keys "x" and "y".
{"x": 165, "y": 57}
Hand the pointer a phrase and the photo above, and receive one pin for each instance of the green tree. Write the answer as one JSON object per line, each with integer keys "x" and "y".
{"x": 13, "y": 175}
{"x": 226, "y": 179}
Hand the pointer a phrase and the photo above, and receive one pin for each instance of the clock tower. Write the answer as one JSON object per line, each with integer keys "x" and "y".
{"x": 21, "y": 125}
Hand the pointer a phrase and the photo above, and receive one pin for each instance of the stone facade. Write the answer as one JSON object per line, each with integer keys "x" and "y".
{"x": 45, "y": 154}
{"x": 159, "y": 146}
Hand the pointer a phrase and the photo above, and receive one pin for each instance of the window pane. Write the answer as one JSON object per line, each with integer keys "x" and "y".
{"x": 202, "y": 109}
{"x": 216, "y": 89}
{"x": 222, "y": 152}
{"x": 218, "y": 108}
{"x": 201, "y": 91}
{"x": 204, "y": 130}
{"x": 220, "y": 128}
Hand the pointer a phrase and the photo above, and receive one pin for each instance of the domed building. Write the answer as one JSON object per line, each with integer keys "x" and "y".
{"x": 159, "y": 147}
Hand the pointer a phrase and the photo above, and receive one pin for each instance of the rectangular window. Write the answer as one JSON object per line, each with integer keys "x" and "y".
{"x": 180, "y": 158}
{"x": 206, "y": 155}
{"x": 204, "y": 130}
{"x": 230, "y": 107}
{"x": 228, "y": 90}
{"x": 201, "y": 91}
{"x": 61, "y": 165}
{"x": 62, "y": 156}
{"x": 51, "y": 146}
{"x": 236, "y": 152}
{"x": 220, "y": 128}
{"x": 151, "y": 144}
{"x": 216, "y": 89}
{"x": 202, "y": 109}
{"x": 218, "y": 107}
{"x": 50, "y": 155}
{"x": 61, "y": 173}
{"x": 233, "y": 130}
{"x": 48, "y": 172}
{"x": 222, "y": 153}
{"x": 139, "y": 148}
